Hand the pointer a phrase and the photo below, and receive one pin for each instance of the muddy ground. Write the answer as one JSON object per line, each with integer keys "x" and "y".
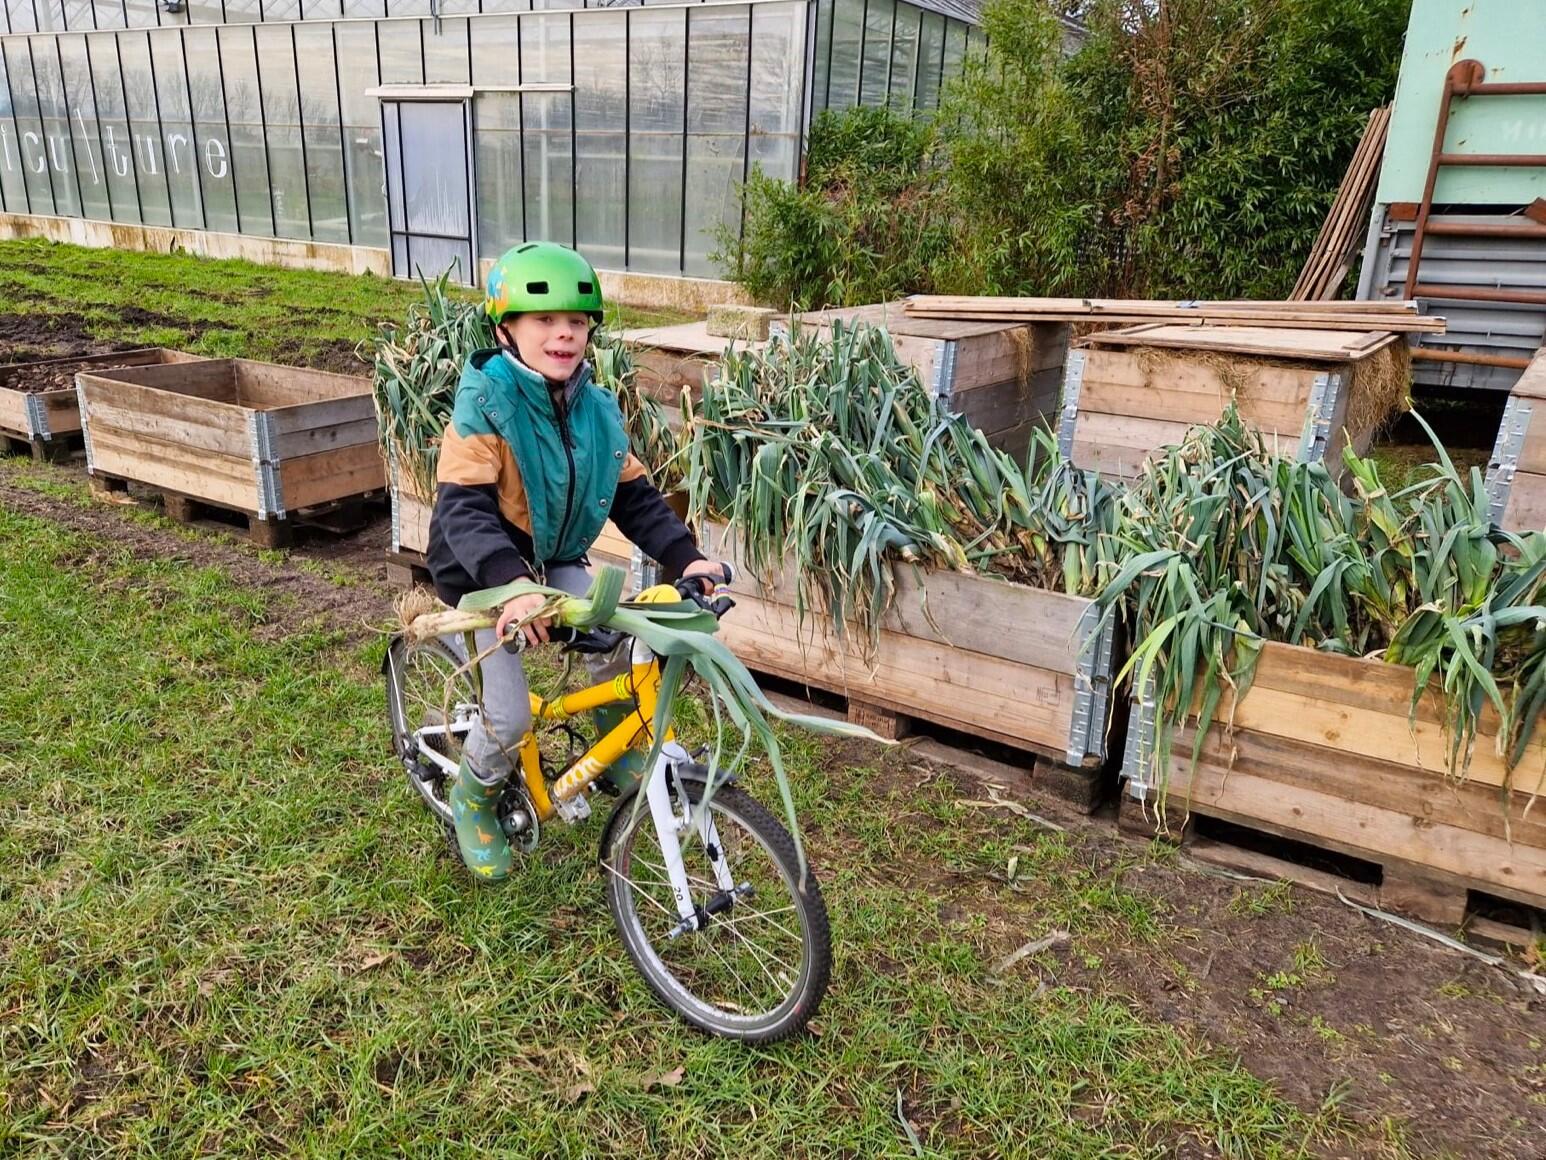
{"x": 1330, "y": 1005}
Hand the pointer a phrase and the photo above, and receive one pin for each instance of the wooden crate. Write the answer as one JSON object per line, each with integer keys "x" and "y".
{"x": 49, "y": 421}
{"x": 1322, "y": 753}
{"x": 1001, "y": 662}
{"x": 264, "y": 440}
{"x": 1003, "y": 377}
{"x": 1128, "y": 392}
{"x": 1516, "y": 476}
{"x": 670, "y": 359}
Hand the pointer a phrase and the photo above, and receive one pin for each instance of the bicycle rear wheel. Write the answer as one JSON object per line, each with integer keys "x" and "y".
{"x": 757, "y": 969}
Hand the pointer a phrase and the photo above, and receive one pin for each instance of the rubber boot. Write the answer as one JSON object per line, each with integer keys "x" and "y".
{"x": 474, "y": 807}
{"x": 628, "y": 768}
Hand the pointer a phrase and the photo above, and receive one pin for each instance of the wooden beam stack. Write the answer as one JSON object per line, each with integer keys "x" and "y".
{"x": 1326, "y": 268}
{"x": 1397, "y": 317}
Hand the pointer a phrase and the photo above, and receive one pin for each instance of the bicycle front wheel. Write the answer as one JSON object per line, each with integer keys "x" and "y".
{"x": 757, "y": 968}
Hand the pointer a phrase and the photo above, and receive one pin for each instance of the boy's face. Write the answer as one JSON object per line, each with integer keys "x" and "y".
{"x": 550, "y": 344}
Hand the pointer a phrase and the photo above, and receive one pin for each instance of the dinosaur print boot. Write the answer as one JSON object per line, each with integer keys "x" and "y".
{"x": 474, "y": 802}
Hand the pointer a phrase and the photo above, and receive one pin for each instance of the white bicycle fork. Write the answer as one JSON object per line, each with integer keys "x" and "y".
{"x": 670, "y": 825}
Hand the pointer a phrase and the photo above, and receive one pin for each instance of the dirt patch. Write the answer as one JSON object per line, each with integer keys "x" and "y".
{"x": 28, "y": 337}
{"x": 49, "y": 375}
{"x": 333, "y": 354}
{"x": 349, "y": 595}
{"x": 1313, "y": 996}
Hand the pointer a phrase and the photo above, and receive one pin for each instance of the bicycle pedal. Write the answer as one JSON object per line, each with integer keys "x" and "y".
{"x": 576, "y": 809}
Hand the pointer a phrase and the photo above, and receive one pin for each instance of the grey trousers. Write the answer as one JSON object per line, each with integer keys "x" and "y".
{"x": 490, "y": 747}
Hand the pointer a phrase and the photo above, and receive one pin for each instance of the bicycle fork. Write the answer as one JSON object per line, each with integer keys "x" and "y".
{"x": 669, "y": 828}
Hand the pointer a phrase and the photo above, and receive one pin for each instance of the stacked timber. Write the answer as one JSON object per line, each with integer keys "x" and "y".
{"x": 1516, "y": 475}
{"x": 1343, "y": 230}
{"x": 1397, "y": 317}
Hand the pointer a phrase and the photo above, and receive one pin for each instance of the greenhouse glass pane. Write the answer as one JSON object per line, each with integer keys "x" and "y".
{"x": 497, "y": 151}
{"x": 496, "y": 58}
{"x": 282, "y": 118}
{"x": 77, "y": 15}
{"x": 32, "y": 147}
{"x": 407, "y": 7}
{"x": 457, "y": 7}
{"x": 321, "y": 133}
{"x": 823, "y": 40}
{"x": 843, "y": 78}
{"x": 877, "y": 52}
{"x": 212, "y": 139}
{"x": 85, "y": 135}
{"x": 145, "y": 144}
{"x": 445, "y": 55}
{"x": 54, "y": 110}
{"x": 203, "y": 12}
{"x": 402, "y": 58}
{"x": 180, "y": 154}
{"x": 281, "y": 10}
{"x": 955, "y": 48}
{"x": 716, "y": 122}
{"x": 242, "y": 11}
{"x": 365, "y": 8}
{"x": 13, "y": 177}
{"x": 904, "y": 57}
{"x": 21, "y": 16}
{"x": 117, "y": 151}
{"x": 109, "y": 14}
{"x": 931, "y": 55}
{"x": 549, "y": 167}
{"x": 435, "y": 178}
{"x": 365, "y": 170}
{"x": 321, "y": 9}
{"x": 244, "y": 112}
{"x": 657, "y": 80}
{"x": 507, "y": 5}
{"x": 600, "y": 115}
{"x": 545, "y": 50}
{"x": 143, "y": 13}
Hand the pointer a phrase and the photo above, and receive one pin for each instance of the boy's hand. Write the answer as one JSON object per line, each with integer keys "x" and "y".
{"x": 522, "y": 606}
{"x": 707, "y": 572}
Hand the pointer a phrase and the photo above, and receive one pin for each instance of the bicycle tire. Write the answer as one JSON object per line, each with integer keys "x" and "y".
{"x": 731, "y": 806}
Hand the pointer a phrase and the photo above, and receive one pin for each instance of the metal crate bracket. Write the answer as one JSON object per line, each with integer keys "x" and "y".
{"x": 37, "y": 417}
{"x": 260, "y": 433}
{"x": 1505, "y": 455}
{"x": 1092, "y": 690}
{"x": 1325, "y": 394}
{"x": 942, "y": 382}
{"x": 1138, "y": 760}
{"x": 1073, "y": 379}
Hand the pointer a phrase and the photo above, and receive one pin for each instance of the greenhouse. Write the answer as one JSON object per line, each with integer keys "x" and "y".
{"x": 443, "y": 134}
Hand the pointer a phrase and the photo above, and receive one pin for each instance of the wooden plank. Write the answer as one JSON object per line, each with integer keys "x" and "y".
{"x": 972, "y": 692}
{"x": 309, "y": 416}
{"x": 971, "y": 614}
{"x": 612, "y": 546}
{"x": 666, "y": 374}
{"x": 142, "y": 458}
{"x": 63, "y": 411}
{"x": 1377, "y": 811}
{"x": 13, "y": 413}
{"x": 267, "y": 386}
{"x": 142, "y": 356}
{"x": 203, "y": 379}
{"x": 331, "y": 437}
{"x": 1118, "y": 444}
{"x": 1532, "y": 456}
{"x": 1532, "y": 384}
{"x": 1526, "y": 510}
{"x": 331, "y": 475}
{"x": 1183, "y": 389}
{"x": 223, "y": 432}
{"x": 1315, "y": 345}
{"x": 413, "y": 520}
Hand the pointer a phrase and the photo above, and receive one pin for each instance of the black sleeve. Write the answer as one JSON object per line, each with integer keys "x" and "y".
{"x": 469, "y": 520}
{"x": 640, "y": 513}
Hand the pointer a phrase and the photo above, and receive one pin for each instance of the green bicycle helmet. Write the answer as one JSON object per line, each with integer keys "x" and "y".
{"x": 542, "y": 276}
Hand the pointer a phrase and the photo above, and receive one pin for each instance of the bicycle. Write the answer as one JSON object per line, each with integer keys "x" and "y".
{"x": 688, "y": 928}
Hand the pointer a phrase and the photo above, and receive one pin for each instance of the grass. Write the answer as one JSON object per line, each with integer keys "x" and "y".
{"x": 226, "y": 928}
{"x": 223, "y": 309}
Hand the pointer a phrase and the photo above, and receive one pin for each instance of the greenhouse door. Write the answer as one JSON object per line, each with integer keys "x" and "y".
{"x": 429, "y": 187}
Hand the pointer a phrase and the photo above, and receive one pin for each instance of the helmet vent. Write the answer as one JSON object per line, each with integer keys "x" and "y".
{"x": 536, "y": 287}
{"x": 587, "y": 288}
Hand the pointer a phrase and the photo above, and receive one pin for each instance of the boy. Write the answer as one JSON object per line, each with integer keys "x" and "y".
{"x": 533, "y": 462}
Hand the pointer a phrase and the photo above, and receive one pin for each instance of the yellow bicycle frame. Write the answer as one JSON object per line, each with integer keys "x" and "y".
{"x": 641, "y": 683}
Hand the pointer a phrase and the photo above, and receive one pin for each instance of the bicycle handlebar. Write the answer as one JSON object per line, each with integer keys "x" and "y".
{"x": 598, "y": 641}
